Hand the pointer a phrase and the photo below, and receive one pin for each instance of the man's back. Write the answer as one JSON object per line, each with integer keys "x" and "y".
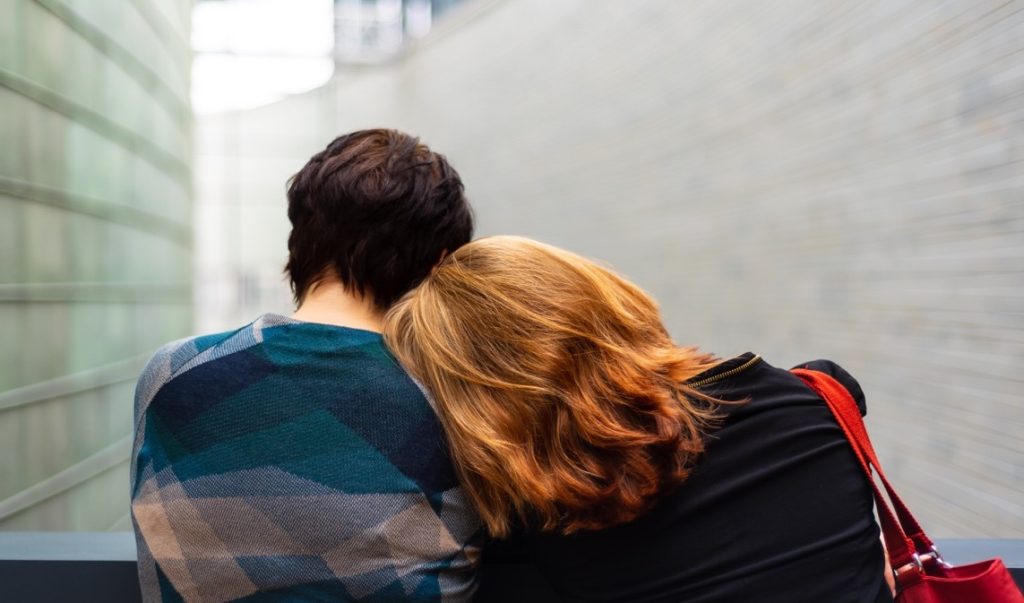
{"x": 294, "y": 461}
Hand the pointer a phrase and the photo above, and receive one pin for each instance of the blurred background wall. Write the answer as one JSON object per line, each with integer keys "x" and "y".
{"x": 95, "y": 243}
{"x": 801, "y": 179}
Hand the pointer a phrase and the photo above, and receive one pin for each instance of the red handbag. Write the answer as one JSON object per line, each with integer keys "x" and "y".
{"x": 921, "y": 574}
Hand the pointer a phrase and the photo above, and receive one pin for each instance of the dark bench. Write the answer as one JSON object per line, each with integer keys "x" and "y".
{"x": 40, "y": 567}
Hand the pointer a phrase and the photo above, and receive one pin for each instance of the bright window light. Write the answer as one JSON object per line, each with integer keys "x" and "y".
{"x": 253, "y": 52}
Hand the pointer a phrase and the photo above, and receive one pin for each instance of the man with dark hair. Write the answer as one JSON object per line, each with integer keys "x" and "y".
{"x": 293, "y": 459}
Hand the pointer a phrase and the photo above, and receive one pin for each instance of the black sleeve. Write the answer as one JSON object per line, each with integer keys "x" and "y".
{"x": 514, "y": 549}
{"x": 839, "y": 374}
{"x": 509, "y": 574}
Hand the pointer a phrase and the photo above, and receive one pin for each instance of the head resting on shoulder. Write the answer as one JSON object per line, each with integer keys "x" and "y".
{"x": 374, "y": 210}
{"x": 560, "y": 390}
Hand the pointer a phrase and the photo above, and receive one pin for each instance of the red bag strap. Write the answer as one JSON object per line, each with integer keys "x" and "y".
{"x": 904, "y": 537}
{"x": 839, "y": 399}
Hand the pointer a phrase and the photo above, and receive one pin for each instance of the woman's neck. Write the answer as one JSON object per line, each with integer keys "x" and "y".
{"x": 329, "y": 302}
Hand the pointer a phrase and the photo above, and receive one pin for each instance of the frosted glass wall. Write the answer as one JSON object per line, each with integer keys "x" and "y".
{"x": 95, "y": 244}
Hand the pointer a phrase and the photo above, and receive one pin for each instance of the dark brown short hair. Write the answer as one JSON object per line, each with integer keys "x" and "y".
{"x": 375, "y": 209}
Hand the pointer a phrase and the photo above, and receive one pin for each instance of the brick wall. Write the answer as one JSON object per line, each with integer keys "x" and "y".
{"x": 801, "y": 179}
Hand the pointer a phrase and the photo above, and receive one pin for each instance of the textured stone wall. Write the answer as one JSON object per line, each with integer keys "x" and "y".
{"x": 801, "y": 179}
{"x": 95, "y": 244}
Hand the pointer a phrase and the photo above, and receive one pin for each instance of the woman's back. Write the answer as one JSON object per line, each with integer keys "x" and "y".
{"x": 650, "y": 471}
{"x": 777, "y": 509}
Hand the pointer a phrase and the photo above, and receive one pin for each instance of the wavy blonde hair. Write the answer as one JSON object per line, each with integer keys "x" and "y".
{"x": 562, "y": 395}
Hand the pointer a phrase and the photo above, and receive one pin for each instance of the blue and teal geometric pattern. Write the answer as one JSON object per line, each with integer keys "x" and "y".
{"x": 293, "y": 461}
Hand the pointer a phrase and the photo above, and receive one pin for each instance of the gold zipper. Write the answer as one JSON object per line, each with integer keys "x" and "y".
{"x": 728, "y": 373}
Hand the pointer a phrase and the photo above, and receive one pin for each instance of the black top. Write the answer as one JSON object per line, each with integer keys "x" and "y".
{"x": 777, "y": 509}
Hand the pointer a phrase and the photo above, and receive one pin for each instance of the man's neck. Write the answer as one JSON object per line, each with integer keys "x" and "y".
{"x": 328, "y": 302}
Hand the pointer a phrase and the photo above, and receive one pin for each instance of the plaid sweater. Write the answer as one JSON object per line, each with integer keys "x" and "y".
{"x": 291, "y": 461}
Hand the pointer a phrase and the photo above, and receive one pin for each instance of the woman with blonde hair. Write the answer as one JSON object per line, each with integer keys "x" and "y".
{"x": 629, "y": 468}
